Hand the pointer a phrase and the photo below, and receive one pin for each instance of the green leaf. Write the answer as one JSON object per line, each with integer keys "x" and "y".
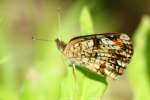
{"x": 139, "y": 68}
{"x": 86, "y": 24}
{"x": 90, "y": 85}
{"x": 87, "y": 85}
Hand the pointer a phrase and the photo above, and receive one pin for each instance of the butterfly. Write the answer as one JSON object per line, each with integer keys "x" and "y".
{"x": 106, "y": 54}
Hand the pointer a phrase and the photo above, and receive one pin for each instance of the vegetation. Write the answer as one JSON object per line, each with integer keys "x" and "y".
{"x": 36, "y": 70}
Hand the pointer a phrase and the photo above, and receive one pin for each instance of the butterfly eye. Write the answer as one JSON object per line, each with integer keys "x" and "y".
{"x": 124, "y": 37}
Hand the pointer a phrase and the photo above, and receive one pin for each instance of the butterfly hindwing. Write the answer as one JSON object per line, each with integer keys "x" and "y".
{"x": 106, "y": 54}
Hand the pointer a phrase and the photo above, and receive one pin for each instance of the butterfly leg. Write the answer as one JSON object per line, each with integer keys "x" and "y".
{"x": 74, "y": 71}
{"x": 76, "y": 87}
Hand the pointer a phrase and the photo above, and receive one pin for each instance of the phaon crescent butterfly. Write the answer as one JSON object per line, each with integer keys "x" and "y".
{"x": 105, "y": 54}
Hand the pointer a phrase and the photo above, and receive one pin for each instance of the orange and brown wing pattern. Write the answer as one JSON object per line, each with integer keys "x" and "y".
{"x": 105, "y": 54}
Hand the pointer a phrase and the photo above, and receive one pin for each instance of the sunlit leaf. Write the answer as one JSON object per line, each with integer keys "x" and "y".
{"x": 139, "y": 71}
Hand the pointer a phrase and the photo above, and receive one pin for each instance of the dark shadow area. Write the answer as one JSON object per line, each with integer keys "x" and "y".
{"x": 91, "y": 74}
{"x": 148, "y": 54}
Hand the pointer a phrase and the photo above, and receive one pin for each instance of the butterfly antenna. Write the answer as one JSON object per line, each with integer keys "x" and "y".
{"x": 59, "y": 22}
{"x": 39, "y": 39}
{"x": 60, "y": 44}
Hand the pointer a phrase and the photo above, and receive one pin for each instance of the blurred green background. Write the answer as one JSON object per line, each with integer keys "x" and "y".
{"x": 36, "y": 70}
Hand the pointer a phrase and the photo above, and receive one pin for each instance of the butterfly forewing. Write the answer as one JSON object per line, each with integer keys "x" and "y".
{"x": 105, "y": 54}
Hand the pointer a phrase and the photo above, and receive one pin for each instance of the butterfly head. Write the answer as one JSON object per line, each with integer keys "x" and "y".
{"x": 60, "y": 45}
